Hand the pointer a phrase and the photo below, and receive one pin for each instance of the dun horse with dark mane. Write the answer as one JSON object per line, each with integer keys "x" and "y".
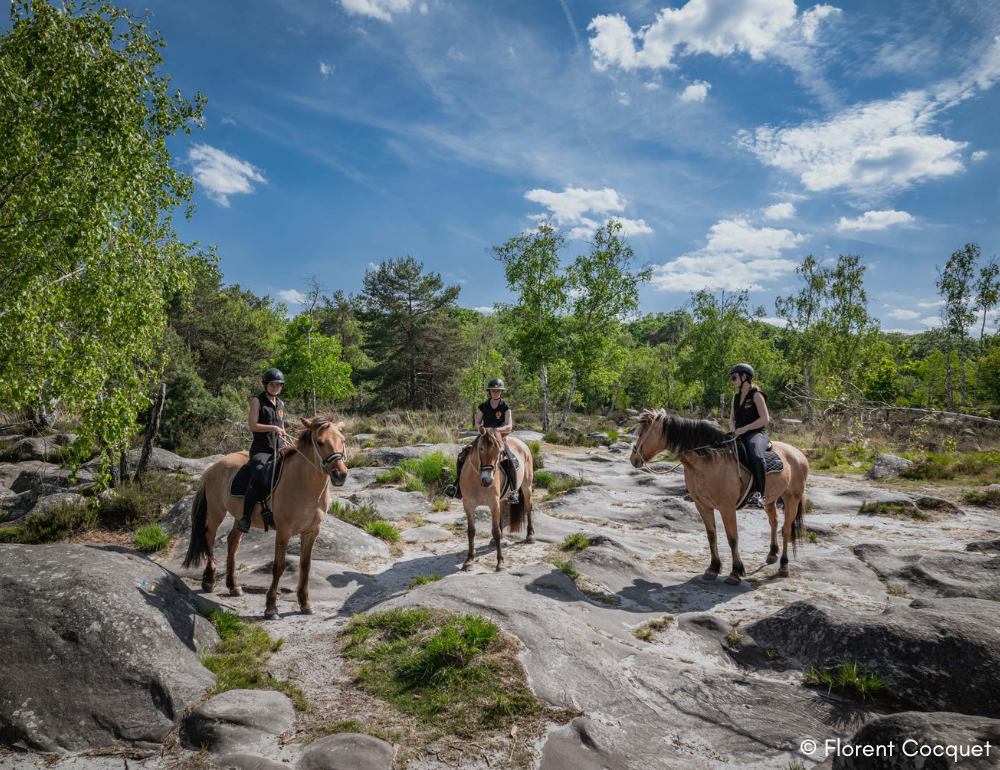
{"x": 300, "y": 502}
{"x": 713, "y": 479}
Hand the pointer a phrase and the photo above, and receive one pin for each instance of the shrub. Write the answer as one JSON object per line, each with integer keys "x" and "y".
{"x": 358, "y": 515}
{"x": 575, "y": 542}
{"x": 544, "y": 479}
{"x": 988, "y": 498}
{"x": 421, "y": 580}
{"x": 927, "y": 471}
{"x": 613, "y": 434}
{"x": 151, "y": 538}
{"x": 382, "y": 530}
{"x": 129, "y": 507}
{"x": 430, "y": 469}
{"x": 889, "y": 509}
{"x": 62, "y": 521}
{"x": 414, "y": 484}
{"x": 359, "y": 460}
{"x": 537, "y": 463}
{"x": 551, "y": 437}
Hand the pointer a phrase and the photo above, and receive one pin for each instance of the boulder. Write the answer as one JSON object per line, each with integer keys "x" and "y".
{"x": 599, "y": 436}
{"x": 392, "y": 503}
{"x": 468, "y": 434}
{"x": 34, "y": 475}
{"x": 620, "y": 447}
{"x": 527, "y": 436}
{"x": 935, "y": 573}
{"x": 428, "y": 534}
{"x": 14, "y": 506}
{"x": 347, "y": 751}
{"x": 340, "y": 542}
{"x": 47, "y": 503}
{"x": 242, "y": 761}
{"x": 981, "y": 546}
{"x": 10, "y": 472}
{"x": 101, "y": 646}
{"x": 238, "y": 719}
{"x": 164, "y": 460}
{"x": 888, "y": 467}
{"x": 393, "y": 455}
{"x": 361, "y": 438}
{"x": 924, "y": 651}
{"x": 940, "y": 729}
{"x": 357, "y": 479}
{"x": 39, "y": 449}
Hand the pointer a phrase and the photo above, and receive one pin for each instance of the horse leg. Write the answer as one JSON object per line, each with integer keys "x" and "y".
{"x": 280, "y": 546}
{"x": 495, "y": 514}
{"x": 526, "y": 501}
{"x": 729, "y": 521}
{"x": 470, "y": 524}
{"x": 233, "y": 543}
{"x": 772, "y": 518}
{"x": 792, "y": 502}
{"x": 307, "y": 541}
{"x": 708, "y": 516}
{"x": 208, "y": 576}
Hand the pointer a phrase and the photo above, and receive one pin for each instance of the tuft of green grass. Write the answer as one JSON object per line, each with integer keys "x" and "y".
{"x": 647, "y": 630}
{"x": 240, "y": 658}
{"x": 151, "y": 538}
{"x": 422, "y": 580}
{"x": 413, "y": 484}
{"x": 430, "y": 469}
{"x": 358, "y": 515}
{"x": 567, "y": 569}
{"x": 382, "y": 530}
{"x": 359, "y": 460}
{"x": 537, "y": 463}
{"x": 987, "y": 498}
{"x": 543, "y": 479}
{"x": 896, "y": 511}
{"x": 391, "y": 476}
{"x": 849, "y": 679}
{"x": 613, "y": 434}
{"x": 441, "y": 505}
{"x": 894, "y": 591}
{"x": 575, "y": 542}
{"x": 62, "y": 521}
{"x": 812, "y": 537}
{"x": 928, "y": 471}
{"x": 556, "y": 486}
{"x": 734, "y": 639}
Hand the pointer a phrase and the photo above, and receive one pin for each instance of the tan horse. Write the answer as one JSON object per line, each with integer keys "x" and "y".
{"x": 300, "y": 502}
{"x": 713, "y": 481}
{"x": 481, "y": 482}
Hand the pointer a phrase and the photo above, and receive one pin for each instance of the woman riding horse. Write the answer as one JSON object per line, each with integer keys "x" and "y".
{"x": 267, "y": 423}
{"x": 748, "y": 417}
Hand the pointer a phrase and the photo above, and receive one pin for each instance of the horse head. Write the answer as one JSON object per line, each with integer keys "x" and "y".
{"x": 323, "y": 441}
{"x": 488, "y": 448}
{"x": 648, "y": 440}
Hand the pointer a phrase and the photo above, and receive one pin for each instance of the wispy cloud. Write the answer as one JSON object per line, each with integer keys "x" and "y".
{"x": 484, "y": 310}
{"x": 903, "y": 315}
{"x": 696, "y": 92}
{"x": 874, "y": 220}
{"x": 326, "y": 69}
{"x": 979, "y": 155}
{"x": 292, "y": 297}
{"x": 571, "y": 207}
{"x": 221, "y": 174}
{"x": 778, "y": 212}
{"x": 377, "y": 9}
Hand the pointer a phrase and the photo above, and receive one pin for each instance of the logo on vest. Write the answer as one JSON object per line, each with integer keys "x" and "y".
{"x": 498, "y": 415}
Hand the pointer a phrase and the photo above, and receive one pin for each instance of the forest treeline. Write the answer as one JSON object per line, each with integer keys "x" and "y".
{"x": 100, "y": 301}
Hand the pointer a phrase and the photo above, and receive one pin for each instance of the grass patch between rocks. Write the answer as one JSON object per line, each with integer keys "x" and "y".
{"x": 383, "y": 530}
{"x": 649, "y": 629}
{"x": 849, "y": 679}
{"x": 894, "y": 510}
{"x": 240, "y": 658}
{"x": 986, "y": 498}
{"x": 151, "y": 538}
{"x": 62, "y": 521}
{"x": 422, "y": 580}
{"x": 575, "y": 542}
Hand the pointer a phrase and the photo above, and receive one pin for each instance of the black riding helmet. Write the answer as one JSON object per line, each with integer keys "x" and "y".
{"x": 273, "y": 375}
{"x": 742, "y": 369}
{"x": 496, "y": 382}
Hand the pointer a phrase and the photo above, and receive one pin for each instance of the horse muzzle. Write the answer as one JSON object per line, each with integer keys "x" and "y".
{"x": 338, "y": 479}
{"x": 486, "y": 479}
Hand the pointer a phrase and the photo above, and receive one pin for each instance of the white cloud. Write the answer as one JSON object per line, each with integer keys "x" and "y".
{"x": 935, "y": 303}
{"x": 326, "y": 69}
{"x": 423, "y": 9}
{"x": 879, "y": 147}
{"x": 222, "y": 174}
{"x": 979, "y": 155}
{"x": 484, "y": 310}
{"x": 716, "y": 27}
{"x": 455, "y": 54}
{"x": 292, "y": 296}
{"x": 904, "y": 315}
{"x": 652, "y": 85}
{"x": 511, "y": 52}
{"x": 570, "y": 208}
{"x": 779, "y": 211}
{"x": 781, "y": 323}
{"x": 875, "y": 220}
{"x": 696, "y": 92}
{"x": 931, "y": 322}
{"x": 737, "y": 256}
{"x": 377, "y": 9}
{"x": 372, "y": 266}
{"x": 228, "y": 122}
{"x": 623, "y": 98}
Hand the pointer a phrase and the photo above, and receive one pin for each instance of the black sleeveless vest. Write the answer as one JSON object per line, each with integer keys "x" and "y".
{"x": 268, "y": 415}
{"x": 494, "y": 418}
{"x": 746, "y": 412}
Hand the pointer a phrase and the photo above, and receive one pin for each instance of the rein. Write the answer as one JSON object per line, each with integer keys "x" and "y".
{"x": 645, "y": 466}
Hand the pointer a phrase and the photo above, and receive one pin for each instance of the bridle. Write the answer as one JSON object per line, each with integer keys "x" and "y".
{"x": 323, "y": 461}
{"x": 479, "y": 457}
{"x": 643, "y": 435}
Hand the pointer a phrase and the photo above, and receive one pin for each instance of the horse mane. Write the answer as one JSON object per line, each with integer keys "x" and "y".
{"x": 683, "y": 435}
{"x": 311, "y": 426}
{"x": 492, "y": 436}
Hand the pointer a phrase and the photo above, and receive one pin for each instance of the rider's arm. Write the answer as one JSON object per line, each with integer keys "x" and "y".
{"x": 256, "y": 427}
{"x": 479, "y": 419}
{"x": 764, "y": 418}
{"x": 508, "y": 424}
{"x": 732, "y": 416}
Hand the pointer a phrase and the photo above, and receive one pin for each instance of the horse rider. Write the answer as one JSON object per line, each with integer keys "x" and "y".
{"x": 267, "y": 423}
{"x": 492, "y": 413}
{"x": 747, "y": 420}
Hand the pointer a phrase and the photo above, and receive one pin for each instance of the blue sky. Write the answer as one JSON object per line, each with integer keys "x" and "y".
{"x": 732, "y": 137}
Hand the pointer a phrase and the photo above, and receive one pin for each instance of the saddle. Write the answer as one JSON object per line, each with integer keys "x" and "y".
{"x": 241, "y": 481}
{"x": 772, "y": 464}
{"x": 510, "y": 470}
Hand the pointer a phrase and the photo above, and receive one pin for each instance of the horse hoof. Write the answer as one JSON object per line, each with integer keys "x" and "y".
{"x": 784, "y": 573}
{"x": 236, "y": 591}
{"x": 271, "y": 616}
{"x": 732, "y": 581}
{"x": 710, "y": 576}
{"x": 529, "y": 540}
{"x": 307, "y": 610}
{"x": 501, "y": 568}
{"x": 467, "y": 566}
{"x": 771, "y": 558}
{"x": 208, "y": 588}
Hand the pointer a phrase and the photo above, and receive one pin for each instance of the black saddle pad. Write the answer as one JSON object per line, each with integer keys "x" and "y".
{"x": 772, "y": 460}
{"x": 238, "y": 486}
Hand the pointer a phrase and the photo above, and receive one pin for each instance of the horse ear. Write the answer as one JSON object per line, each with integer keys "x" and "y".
{"x": 482, "y": 430}
{"x": 339, "y": 425}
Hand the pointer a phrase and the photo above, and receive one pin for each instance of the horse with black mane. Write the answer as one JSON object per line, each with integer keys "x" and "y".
{"x": 715, "y": 479}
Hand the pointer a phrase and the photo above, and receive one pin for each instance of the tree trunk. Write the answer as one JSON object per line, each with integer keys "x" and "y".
{"x": 154, "y": 428}
{"x": 961, "y": 352}
{"x": 947, "y": 380}
{"x": 569, "y": 402}
{"x": 615, "y": 399}
{"x": 979, "y": 360}
{"x": 123, "y": 472}
{"x": 545, "y": 396}
{"x": 809, "y": 406}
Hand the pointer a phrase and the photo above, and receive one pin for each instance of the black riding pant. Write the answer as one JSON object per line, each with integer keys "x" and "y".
{"x": 755, "y": 443}
{"x": 258, "y": 486}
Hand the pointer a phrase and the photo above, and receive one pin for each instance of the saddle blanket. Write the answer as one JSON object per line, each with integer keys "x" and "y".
{"x": 772, "y": 464}
{"x": 238, "y": 486}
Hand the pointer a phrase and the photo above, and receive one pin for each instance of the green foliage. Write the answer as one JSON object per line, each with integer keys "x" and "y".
{"x": 544, "y": 479}
{"x": 537, "y": 463}
{"x": 575, "y": 542}
{"x": 421, "y": 580}
{"x": 383, "y": 530}
{"x": 430, "y": 468}
{"x": 151, "y": 538}
{"x": 889, "y": 509}
{"x": 135, "y": 504}
{"x": 557, "y": 485}
{"x": 413, "y": 484}
{"x": 240, "y": 658}
{"x": 358, "y": 515}
{"x": 849, "y": 679}
{"x": 90, "y": 253}
{"x": 928, "y": 470}
{"x": 359, "y": 460}
{"x": 62, "y": 521}
{"x": 988, "y": 498}
{"x": 567, "y": 569}
{"x": 312, "y": 363}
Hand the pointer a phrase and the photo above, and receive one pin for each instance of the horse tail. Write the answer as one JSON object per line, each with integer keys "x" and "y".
{"x": 516, "y": 516}
{"x": 198, "y": 549}
{"x": 799, "y": 525}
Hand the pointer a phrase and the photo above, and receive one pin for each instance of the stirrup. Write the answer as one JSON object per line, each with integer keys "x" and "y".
{"x": 450, "y": 491}
{"x": 756, "y": 500}
{"x": 513, "y": 498}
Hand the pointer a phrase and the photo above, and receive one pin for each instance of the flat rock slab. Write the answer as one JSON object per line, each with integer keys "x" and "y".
{"x": 101, "y": 646}
{"x": 357, "y": 479}
{"x": 935, "y": 573}
{"x": 527, "y": 436}
{"x": 393, "y": 455}
{"x": 941, "y": 729}
{"x": 637, "y": 509}
{"x": 959, "y": 636}
{"x": 243, "y": 761}
{"x": 427, "y": 534}
{"x": 238, "y": 719}
{"x": 393, "y": 503}
{"x": 342, "y": 542}
{"x": 347, "y": 751}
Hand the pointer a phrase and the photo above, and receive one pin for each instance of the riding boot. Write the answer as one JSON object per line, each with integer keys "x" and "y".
{"x": 509, "y": 468}
{"x": 249, "y": 501}
{"x": 759, "y": 480}
{"x": 454, "y": 491}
